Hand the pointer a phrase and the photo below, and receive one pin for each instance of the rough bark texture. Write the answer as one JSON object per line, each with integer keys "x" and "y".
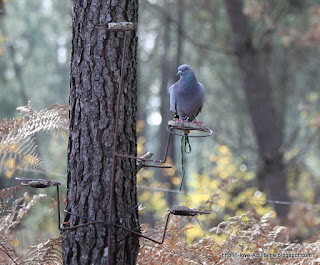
{"x": 94, "y": 81}
{"x": 264, "y": 118}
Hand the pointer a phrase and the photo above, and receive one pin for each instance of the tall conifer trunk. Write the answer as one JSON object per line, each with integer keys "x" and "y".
{"x": 94, "y": 80}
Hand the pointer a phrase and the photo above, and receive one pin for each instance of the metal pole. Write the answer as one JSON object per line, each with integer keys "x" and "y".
{"x": 115, "y": 142}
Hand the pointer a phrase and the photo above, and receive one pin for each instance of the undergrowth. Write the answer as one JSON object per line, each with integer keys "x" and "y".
{"x": 11, "y": 219}
{"x": 246, "y": 238}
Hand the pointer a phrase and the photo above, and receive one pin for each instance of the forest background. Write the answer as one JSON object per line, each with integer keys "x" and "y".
{"x": 284, "y": 36}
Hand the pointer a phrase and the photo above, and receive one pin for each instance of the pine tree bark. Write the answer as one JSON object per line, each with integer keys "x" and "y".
{"x": 261, "y": 108}
{"x": 94, "y": 80}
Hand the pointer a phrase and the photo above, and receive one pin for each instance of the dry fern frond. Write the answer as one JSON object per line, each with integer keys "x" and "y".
{"x": 19, "y": 154}
{"x": 19, "y": 209}
{"x": 244, "y": 239}
{"x": 172, "y": 251}
{"x": 49, "y": 252}
{"x": 7, "y": 254}
{"x": 18, "y": 145}
{"x": 55, "y": 117}
{"x": 215, "y": 196}
{"x": 6, "y": 195}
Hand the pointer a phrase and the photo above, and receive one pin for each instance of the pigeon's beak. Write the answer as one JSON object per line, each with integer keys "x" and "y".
{"x": 179, "y": 73}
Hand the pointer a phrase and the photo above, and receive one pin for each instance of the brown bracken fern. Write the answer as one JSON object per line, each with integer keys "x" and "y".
{"x": 6, "y": 195}
{"x": 10, "y": 221}
{"x": 244, "y": 239}
{"x": 48, "y": 252}
{"x": 18, "y": 145}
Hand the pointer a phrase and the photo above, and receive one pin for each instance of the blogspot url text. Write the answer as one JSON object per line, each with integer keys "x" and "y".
{"x": 265, "y": 255}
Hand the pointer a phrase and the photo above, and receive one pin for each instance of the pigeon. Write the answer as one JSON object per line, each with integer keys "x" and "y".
{"x": 186, "y": 95}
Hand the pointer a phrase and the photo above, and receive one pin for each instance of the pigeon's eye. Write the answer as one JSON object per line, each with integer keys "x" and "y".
{"x": 187, "y": 68}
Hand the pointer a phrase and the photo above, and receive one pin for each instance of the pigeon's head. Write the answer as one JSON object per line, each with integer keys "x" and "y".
{"x": 184, "y": 70}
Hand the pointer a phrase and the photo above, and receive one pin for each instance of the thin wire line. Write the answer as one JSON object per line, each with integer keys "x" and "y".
{"x": 161, "y": 189}
{"x": 230, "y": 197}
{"x": 194, "y": 193}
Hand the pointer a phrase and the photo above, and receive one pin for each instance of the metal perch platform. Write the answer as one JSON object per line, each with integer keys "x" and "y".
{"x": 185, "y": 128}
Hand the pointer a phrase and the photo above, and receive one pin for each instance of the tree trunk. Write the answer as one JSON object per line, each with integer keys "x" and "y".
{"x": 18, "y": 74}
{"x": 263, "y": 115}
{"x": 165, "y": 112}
{"x": 94, "y": 80}
{"x": 168, "y": 71}
{"x": 2, "y": 10}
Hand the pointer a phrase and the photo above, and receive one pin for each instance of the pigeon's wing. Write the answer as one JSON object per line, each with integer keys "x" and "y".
{"x": 173, "y": 101}
{"x": 201, "y": 96}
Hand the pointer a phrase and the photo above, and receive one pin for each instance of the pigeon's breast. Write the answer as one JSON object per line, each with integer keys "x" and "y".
{"x": 189, "y": 103}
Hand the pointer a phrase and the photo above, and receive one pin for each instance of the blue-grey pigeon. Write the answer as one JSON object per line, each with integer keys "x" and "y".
{"x": 187, "y": 95}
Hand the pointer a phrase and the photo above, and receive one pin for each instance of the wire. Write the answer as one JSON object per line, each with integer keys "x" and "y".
{"x": 161, "y": 189}
{"x": 204, "y": 194}
{"x": 230, "y": 197}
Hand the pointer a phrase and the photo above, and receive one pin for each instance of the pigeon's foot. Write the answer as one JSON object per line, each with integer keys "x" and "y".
{"x": 197, "y": 122}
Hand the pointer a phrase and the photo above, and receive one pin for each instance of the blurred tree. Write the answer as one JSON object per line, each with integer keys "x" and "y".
{"x": 34, "y": 60}
{"x": 2, "y": 10}
{"x": 34, "y": 38}
{"x": 94, "y": 80}
{"x": 265, "y": 119}
{"x": 170, "y": 61}
{"x": 164, "y": 109}
{"x": 283, "y": 38}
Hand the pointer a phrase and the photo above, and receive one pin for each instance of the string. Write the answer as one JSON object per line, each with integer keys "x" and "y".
{"x": 185, "y": 148}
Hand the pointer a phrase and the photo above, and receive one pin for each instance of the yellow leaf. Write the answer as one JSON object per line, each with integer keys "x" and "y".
{"x": 9, "y": 174}
{"x": 223, "y": 149}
